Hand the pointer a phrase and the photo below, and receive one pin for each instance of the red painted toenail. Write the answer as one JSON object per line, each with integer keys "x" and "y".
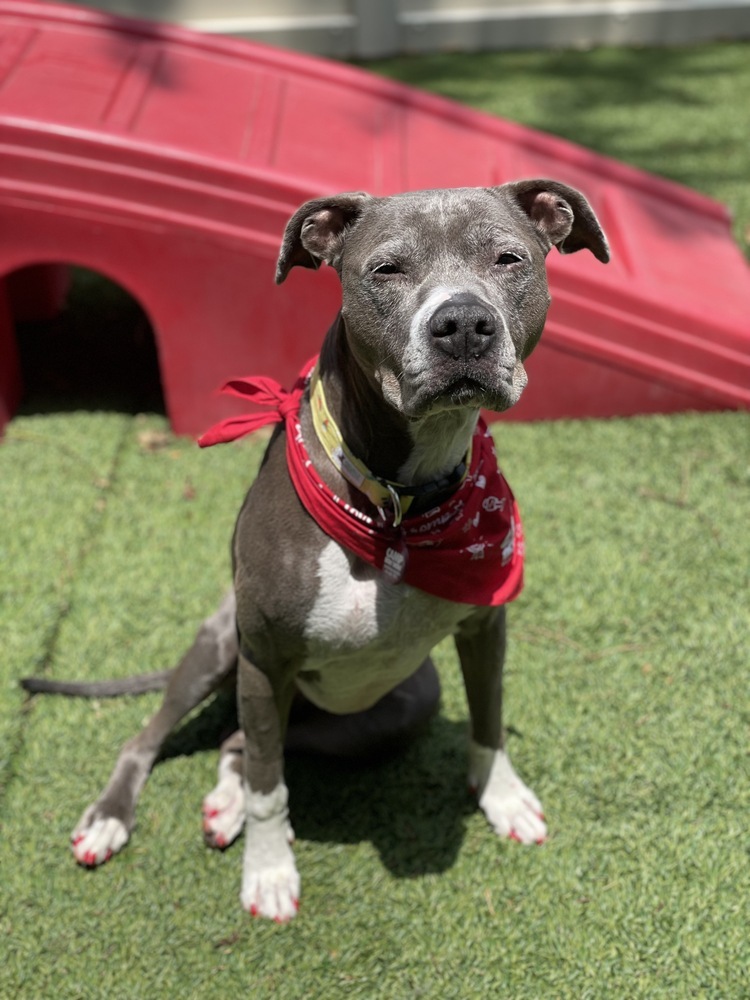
{"x": 220, "y": 840}
{"x": 514, "y": 836}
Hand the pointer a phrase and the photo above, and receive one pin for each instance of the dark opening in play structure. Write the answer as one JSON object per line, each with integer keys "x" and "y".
{"x": 98, "y": 352}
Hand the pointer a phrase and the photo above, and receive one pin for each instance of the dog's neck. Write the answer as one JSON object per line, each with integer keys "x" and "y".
{"x": 392, "y": 447}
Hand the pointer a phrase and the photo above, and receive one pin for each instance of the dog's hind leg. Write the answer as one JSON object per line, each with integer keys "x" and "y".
{"x": 224, "y": 807}
{"x": 105, "y": 826}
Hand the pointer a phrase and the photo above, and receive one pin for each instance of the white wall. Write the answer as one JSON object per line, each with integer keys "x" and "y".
{"x": 368, "y": 28}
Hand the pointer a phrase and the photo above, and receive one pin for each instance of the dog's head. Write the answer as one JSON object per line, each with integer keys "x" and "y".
{"x": 444, "y": 292}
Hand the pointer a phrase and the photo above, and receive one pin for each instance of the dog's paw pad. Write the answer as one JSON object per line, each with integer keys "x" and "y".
{"x": 224, "y": 812}
{"x": 511, "y": 807}
{"x": 272, "y": 893}
{"x": 96, "y": 843}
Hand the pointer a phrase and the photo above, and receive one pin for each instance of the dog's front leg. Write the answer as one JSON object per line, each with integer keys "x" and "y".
{"x": 512, "y": 808}
{"x": 270, "y": 882}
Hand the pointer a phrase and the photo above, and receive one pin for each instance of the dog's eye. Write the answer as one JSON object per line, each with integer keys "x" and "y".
{"x": 507, "y": 258}
{"x": 387, "y": 268}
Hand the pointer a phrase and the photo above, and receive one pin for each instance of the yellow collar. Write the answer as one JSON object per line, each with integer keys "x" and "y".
{"x": 382, "y": 493}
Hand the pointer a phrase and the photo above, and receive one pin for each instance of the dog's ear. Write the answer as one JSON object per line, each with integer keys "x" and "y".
{"x": 317, "y": 230}
{"x": 561, "y": 215}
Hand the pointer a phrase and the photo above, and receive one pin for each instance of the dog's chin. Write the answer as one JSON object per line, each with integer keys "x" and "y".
{"x": 465, "y": 393}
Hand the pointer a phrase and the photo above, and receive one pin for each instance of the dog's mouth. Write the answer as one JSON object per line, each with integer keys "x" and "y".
{"x": 465, "y": 391}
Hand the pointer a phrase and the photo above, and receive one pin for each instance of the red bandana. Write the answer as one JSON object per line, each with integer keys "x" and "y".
{"x": 469, "y": 549}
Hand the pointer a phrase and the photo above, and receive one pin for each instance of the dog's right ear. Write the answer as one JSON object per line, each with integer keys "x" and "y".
{"x": 317, "y": 230}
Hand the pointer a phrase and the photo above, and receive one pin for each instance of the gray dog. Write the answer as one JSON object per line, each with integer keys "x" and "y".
{"x": 378, "y": 524}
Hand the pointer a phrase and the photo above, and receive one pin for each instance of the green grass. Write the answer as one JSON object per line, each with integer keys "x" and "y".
{"x": 626, "y": 689}
{"x": 627, "y": 682}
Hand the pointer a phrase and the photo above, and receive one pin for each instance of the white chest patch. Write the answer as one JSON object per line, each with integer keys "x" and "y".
{"x": 365, "y": 635}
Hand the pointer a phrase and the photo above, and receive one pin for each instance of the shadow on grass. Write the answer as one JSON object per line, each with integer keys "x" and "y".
{"x": 412, "y": 806}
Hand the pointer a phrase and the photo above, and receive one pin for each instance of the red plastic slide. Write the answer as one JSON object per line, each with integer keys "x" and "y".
{"x": 170, "y": 160}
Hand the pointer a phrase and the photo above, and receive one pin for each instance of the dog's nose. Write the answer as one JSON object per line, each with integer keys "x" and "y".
{"x": 463, "y": 327}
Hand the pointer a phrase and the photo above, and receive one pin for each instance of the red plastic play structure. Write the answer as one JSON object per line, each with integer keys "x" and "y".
{"x": 169, "y": 161}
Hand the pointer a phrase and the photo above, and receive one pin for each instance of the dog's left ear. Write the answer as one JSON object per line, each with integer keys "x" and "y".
{"x": 561, "y": 215}
{"x": 316, "y": 231}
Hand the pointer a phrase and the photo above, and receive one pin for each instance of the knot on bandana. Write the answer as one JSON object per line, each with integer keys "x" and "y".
{"x": 263, "y": 391}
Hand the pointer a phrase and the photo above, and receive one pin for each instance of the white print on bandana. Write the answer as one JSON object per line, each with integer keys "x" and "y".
{"x": 509, "y": 544}
{"x": 493, "y": 503}
{"x": 394, "y": 565}
{"x": 454, "y": 511}
{"x": 477, "y": 550}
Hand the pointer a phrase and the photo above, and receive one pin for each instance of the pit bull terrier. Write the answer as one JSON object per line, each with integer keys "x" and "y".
{"x": 378, "y": 523}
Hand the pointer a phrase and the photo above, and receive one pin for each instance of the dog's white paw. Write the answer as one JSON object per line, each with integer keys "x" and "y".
{"x": 511, "y": 807}
{"x": 270, "y": 881}
{"x": 94, "y": 841}
{"x": 224, "y": 807}
{"x": 272, "y": 891}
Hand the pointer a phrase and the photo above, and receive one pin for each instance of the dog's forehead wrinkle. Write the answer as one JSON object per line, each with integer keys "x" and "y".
{"x": 429, "y": 211}
{"x": 397, "y": 245}
{"x": 495, "y": 231}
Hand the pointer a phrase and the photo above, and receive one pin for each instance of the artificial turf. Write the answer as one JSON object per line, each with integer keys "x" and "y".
{"x": 626, "y": 687}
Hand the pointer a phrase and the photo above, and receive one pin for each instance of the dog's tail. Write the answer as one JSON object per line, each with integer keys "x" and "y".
{"x": 139, "y": 684}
